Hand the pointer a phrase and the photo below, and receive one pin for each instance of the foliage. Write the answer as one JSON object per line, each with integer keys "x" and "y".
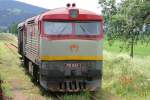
{"x": 140, "y": 50}
{"x": 13, "y": 29}
{"x": 126, "y": 21}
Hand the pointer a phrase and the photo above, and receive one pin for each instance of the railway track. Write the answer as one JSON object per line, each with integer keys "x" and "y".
{"x": 14, "y": 45}
{"x": 11, "y": 47}
{"x": 57, "y": 97}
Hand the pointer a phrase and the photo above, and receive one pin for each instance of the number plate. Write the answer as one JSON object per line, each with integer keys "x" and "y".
{"x": 73, "y": 65}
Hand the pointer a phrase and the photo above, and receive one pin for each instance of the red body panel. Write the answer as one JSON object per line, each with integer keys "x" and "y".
{"x": 63, "y": 14}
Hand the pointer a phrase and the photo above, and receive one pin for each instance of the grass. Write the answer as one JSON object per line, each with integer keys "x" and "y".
{"x": 140, "y": 50}
{"x": 124, "y": 78}
{"x": 129, "y": 78}
{"x": 6, "y": 87}
{"x": 82, "y": 96}
{"x": 15, "y": 76}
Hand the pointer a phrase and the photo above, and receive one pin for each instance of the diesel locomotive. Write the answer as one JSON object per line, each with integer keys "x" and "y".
{"x": 62, "y": 49}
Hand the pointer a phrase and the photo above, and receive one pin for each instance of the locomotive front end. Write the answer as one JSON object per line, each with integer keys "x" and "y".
{"x": 71, "y": 48}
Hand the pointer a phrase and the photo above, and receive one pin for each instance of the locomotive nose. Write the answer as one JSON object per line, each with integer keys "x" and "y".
{"x": 74, "y": 64}
{"x": 70, "y": 50}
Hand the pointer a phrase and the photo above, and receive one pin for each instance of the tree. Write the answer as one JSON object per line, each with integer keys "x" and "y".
{"x": 13, "y": 29}
{"x": 127, "y": 23}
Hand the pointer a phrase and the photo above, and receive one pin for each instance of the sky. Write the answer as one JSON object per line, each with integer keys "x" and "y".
{"x": 91, "y": 5}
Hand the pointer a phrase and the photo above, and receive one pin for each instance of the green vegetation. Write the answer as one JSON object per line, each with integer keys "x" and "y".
{"x": 140, "y": 49}
{"x": 127, "y": 77}
{"x": 13, "y": 74}
{"x": 127, "y": 21}
{"x": 13, "y": 28}
{"x": 82, "y": 96}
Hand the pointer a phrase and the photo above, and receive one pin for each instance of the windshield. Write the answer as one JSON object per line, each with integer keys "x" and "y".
{"x": 66, "y": 28}
{"x": 58, "y": 28}
{"x": 87, "y": 28}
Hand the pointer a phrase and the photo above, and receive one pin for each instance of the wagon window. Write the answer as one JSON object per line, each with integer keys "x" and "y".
{"x": 57, "y": 28}
{"x": 87, "y": 28}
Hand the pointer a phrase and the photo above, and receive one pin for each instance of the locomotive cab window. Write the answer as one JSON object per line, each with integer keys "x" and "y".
{"x": 87, "y": 28}
{"x": 78, "y": 28}
{"x": 57, "y": 28}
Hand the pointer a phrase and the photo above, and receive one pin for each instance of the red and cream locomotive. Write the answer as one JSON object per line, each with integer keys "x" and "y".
{"x": 62, "y": 49}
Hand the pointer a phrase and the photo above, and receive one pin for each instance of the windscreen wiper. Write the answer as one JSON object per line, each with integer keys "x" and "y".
{"x": 82, "y": 29}
{"x": 63, "y": 29}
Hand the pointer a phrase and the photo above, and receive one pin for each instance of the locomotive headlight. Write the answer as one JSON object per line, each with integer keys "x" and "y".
{"x": 74, "y": 13}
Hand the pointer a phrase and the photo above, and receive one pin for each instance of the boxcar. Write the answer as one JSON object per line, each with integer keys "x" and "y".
{"x": 62, "y": 49}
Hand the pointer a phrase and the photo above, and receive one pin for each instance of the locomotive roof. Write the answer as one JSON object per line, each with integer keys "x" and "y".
{"x": 63, "y": 14}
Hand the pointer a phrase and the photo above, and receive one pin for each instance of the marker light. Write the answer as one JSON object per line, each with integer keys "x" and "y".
{"x": 73, "y": 5}
{"x": 68, "y": 5}
{"x": 74, "y": 13}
